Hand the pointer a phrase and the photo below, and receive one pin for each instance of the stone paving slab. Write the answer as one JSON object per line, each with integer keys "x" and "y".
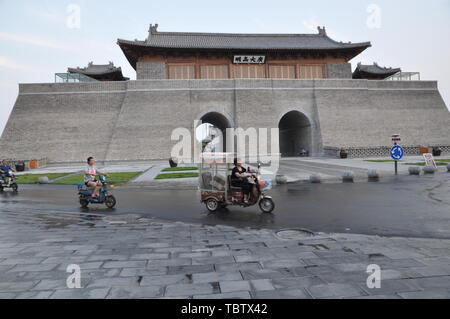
{"x": 145, "y": 258}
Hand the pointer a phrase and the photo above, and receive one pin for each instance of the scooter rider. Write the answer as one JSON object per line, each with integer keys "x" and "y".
{"x": 89, "y": 177}
{"x": 5, "y": 168}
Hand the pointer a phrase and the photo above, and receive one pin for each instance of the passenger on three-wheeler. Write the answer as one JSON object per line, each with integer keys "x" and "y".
{"x": 223, "y": 181}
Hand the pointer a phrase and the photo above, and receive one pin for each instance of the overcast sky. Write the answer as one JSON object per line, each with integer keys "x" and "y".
{"x": 40, "y": 38}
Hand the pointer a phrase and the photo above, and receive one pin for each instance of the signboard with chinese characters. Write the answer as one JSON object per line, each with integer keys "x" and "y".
{"x": 249, "y": 59}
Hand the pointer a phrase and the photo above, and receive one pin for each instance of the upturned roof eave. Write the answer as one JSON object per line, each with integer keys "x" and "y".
{"x": 127, "y": 44}
{"x": 73, "y": 70}
{"x": 379, "y": 71}
{"x": 117, "y": 73}
{"x": 145, "y": 44}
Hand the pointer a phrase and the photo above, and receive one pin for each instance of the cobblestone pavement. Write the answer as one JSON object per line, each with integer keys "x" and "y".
{"x": 132, "y": 257}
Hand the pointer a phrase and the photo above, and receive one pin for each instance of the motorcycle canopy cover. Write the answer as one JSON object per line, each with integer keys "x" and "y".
{"x": 217, "y": 158}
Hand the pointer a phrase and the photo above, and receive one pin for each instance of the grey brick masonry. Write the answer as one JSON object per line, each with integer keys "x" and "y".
{"x": 134, "y": 120}
{"x": 146, "y": 258}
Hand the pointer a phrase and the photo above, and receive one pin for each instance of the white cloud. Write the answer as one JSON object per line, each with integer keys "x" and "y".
{"x": 263, "y": 25}
{"x": 27, "y": 39}
{"x": 9, "y": 64}
{"x": 311, "y": 23}
{"x": 93, "y": 44}
{"x": 52, "y": 16}
{"x": 99, "y": 46}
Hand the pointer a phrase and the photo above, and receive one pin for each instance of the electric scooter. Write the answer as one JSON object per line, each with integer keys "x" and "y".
{"x": 104, "y": 196}
{"x": 9, "y": 182}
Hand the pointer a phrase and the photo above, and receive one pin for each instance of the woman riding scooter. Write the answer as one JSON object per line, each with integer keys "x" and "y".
{"x": 239, "y": 178}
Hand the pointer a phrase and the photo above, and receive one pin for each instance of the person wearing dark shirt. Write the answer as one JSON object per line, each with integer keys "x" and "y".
{"x": 239, "y": 178}
{"x": 5, "y": 168}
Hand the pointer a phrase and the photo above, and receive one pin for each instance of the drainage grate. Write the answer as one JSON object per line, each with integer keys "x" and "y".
{"x": 295, "y": 233}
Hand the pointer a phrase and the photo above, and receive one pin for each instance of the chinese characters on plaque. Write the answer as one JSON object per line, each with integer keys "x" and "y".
{"x": 249, "y": 59}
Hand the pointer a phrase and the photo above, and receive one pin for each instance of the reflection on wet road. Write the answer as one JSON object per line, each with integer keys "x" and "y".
{"x": 404, "y": 206}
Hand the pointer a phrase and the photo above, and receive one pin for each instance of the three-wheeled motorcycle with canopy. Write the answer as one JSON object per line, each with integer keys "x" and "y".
{"x": 215, "y": 186}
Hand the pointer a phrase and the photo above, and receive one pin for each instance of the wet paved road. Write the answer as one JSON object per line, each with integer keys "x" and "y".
{"x": 405, "y": 206}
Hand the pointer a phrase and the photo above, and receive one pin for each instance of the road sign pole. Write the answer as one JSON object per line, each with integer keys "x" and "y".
{"x": 395, "y": 163}
{"x": 397, "y": 152}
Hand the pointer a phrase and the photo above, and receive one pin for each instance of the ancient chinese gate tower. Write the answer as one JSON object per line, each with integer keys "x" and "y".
{"x": 301, "y": 83}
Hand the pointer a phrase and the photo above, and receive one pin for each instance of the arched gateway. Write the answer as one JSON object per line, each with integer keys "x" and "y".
{"x": 212, "y": 130}
{"x": 295, "y": 134}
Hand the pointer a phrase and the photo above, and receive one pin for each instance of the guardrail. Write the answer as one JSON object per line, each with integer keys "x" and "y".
{"x": 25, "y": 165}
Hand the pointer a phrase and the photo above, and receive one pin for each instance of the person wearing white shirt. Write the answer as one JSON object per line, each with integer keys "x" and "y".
{"x": 89, "y": 177}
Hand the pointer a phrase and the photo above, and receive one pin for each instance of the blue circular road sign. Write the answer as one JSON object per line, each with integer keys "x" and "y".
{"x": 397, "y": 152}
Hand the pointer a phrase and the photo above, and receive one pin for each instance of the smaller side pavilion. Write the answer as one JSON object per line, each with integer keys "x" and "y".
{"x": 100, "y": 72}
{"x": 373, "y": 72}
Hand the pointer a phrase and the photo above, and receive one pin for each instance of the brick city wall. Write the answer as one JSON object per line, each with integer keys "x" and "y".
{"x": 135, "y": 119}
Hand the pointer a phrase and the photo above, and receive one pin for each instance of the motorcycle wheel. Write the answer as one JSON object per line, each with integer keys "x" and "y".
{"x": 84, "y": 202}
{"x": 110, "y": 202}
{"x": 266, "y": 205}
{"x": 212, "y": 205}
{"x": 15, "y": 187}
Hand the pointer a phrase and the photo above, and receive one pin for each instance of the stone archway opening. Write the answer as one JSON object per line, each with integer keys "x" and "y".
{"x": 212, "y": 132}
{"x": 295, "y": 134}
